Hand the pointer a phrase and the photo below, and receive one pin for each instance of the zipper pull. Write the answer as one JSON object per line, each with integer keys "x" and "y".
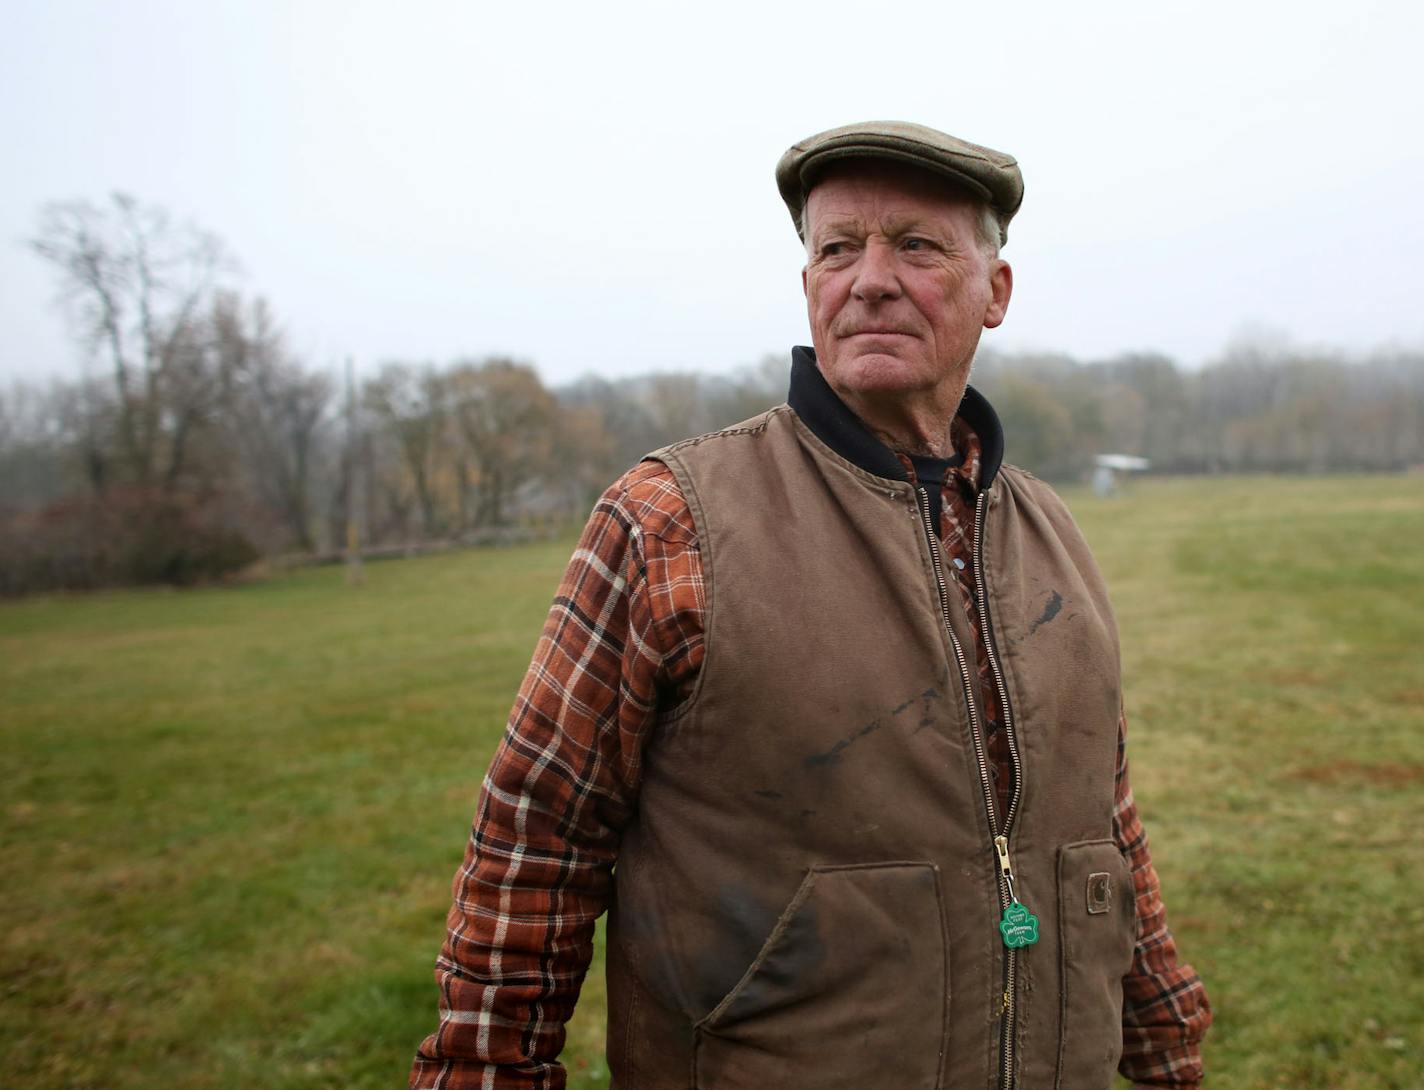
{"x": 1018, "y": 926}
{"x": 1001, "y": 845}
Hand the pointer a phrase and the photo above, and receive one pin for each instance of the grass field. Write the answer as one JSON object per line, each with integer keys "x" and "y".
{"x": 230, "y": 816}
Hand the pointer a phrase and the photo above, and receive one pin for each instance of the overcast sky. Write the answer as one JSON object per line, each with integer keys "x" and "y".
{"x": 589, "y": 186}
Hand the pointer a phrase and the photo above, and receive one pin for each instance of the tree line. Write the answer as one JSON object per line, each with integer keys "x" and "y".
{"x": 197, "y": 441}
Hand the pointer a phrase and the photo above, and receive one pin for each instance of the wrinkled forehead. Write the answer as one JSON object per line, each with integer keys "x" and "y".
{"x": 877, "y": 187}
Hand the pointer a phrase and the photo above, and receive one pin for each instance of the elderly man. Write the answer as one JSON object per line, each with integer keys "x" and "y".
{"x": 827, "y": 712}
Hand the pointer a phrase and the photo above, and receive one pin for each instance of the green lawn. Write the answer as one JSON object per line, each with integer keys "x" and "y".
{"x": 230, "y": 816}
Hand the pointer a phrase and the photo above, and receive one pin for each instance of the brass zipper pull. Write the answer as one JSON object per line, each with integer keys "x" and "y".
{"x": 1001, "y": 845}
{"x": 1018, "y": 926}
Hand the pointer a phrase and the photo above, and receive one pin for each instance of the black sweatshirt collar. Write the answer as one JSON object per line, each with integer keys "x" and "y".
{"x": 840, "y": 429}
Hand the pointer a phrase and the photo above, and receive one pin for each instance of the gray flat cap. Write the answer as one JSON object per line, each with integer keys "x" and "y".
{"x": 984, "y": 172}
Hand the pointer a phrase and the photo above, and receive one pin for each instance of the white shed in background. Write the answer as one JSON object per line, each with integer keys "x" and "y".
{"x": 1108, "y": 466}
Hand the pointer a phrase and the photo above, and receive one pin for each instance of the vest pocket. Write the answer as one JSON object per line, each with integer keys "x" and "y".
{"x": 850, "y": 989}
{"x": 1097, "y": 913}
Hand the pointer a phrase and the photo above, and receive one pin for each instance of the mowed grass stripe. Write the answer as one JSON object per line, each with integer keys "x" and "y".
{"x": 238, "y": 816}
{"x": 1271, "y": 634}
{"x": 231, "y": 816}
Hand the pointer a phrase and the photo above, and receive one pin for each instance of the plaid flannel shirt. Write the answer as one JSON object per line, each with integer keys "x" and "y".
{"x": 624, "y": 639}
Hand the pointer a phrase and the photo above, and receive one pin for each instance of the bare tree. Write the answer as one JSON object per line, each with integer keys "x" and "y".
{"x": 139, "y": 287}
{"x": 410, "y": 403}
{"x": 272, "y": 410}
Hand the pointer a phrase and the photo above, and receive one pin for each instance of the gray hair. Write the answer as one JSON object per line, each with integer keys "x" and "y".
{"x": 986, "y": 227}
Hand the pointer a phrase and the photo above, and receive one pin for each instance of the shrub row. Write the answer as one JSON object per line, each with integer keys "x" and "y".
{"x": 122, "y": 538}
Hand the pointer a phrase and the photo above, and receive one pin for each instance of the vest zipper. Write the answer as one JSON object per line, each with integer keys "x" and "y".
{"x": 1010, "y": 1016}
{"x": 982, "y": 602}
{"x": 985, "y": 781}
{"x": 1008, "y": 1011}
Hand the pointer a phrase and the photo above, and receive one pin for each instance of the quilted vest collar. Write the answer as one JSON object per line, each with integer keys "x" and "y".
{"x": 840, "y": 429}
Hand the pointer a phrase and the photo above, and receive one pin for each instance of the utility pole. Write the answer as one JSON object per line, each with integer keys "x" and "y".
{"x": 355, "y": 486}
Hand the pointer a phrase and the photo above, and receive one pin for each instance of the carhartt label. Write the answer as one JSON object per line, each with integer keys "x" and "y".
{"x": 1099, "y": 893}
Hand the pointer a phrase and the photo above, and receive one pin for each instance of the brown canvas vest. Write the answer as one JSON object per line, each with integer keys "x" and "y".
{"x": 809, "y": 894}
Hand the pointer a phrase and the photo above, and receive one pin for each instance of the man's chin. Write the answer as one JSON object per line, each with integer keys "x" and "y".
{"x": 879, "y": 371}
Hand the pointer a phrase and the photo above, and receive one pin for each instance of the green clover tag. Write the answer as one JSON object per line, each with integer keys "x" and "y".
{"x": 1019, "y": 927}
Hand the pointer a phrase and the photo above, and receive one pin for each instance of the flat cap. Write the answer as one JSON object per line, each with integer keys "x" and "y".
{"x": 988, "y": 174}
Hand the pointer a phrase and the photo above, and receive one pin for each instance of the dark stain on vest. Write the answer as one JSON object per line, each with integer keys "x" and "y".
{"x": 789, "y": 959}
{"x": 748, "y": 921}
{"x": 1050, "y": 611}
{"x": 929, "y": 696}
{"x": 834, "y": 754}
{"x": 693, "y": 971}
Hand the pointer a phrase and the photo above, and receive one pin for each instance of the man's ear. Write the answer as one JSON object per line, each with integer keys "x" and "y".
{"x": 1001, "y": 283}
{"x": 803, "y": 278}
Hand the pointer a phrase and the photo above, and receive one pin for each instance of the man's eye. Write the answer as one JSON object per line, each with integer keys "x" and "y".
{"x": 917, "y": 244}
{"x": 832, "y": 249}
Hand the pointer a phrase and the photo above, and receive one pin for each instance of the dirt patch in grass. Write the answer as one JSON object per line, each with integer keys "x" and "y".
{"x": 1384, "y": 774}
{"x": 1294, "y": 677}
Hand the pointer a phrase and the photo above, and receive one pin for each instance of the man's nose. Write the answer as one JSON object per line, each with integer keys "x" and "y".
{"x": 875, "y": 276}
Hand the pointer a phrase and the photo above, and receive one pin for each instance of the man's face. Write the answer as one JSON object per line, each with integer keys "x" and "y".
{"x": 898, "y": 286}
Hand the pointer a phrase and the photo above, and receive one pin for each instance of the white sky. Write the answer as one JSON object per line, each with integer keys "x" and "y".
{"x": 589, "y": 186}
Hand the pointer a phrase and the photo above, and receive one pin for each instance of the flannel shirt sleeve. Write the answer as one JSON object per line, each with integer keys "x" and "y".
{"x": 1165, "y": 1010}
{"x": 623, "y": 634}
